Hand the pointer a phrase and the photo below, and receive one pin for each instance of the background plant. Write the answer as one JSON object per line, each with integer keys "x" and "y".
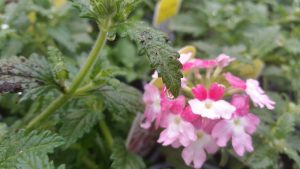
{"x": 258, "y": 32}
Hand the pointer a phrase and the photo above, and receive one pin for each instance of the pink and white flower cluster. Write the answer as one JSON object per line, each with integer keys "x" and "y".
{"x": 212, "y": 110}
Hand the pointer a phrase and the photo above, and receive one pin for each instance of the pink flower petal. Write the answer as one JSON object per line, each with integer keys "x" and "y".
{"x": 223, "y": 109}
{"x": 200, "y": 64}
{"x": 257, "y": 95}
{"x": 188, "y": 115}
{"x": 177, "y": 105}
{"x": 222, "y": 133}
{"x": 234, "y": 81}
{"x": 187, "y": 155}
{"x": 216, "y": 91}
{"x": 153, "y": 109}
{"x": 241, "y": 103}
{"x": 224, "y": 60}
{"x": 199, "y": 158}
{"x": 242, "y": 143}
{"x": 199, "y": 92}
{"x": 194, "y": 155}
{"x": 211, "y": 147}
{"x": 252, "y": 121}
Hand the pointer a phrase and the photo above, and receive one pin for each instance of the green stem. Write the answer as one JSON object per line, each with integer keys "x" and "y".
{"x": 82, "y": 90}
{"x": 90, "y": 62}
{"x": 89, "y": 163}
{"x": 106, "y": 133}
{"x": 62, "y": 99}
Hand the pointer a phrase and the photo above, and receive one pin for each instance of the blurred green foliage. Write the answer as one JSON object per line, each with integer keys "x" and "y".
{"x": 262, "y": 34}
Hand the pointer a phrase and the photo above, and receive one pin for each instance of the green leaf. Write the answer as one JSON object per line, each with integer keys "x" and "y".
{"x": 83, "y": 7}
{"x": 3, "y": 130}
{"x": 124, "y": 8}
{"x": 59, "y": 69}
{"x": 80, "y": 120}
{"x": 102, "y": 10}
{"x": 18, "y": 74}
{"x": 123, "y": 159}
{"x": 262, "y": 41}
{"x": 284, "y": 125}
{"x": 63, "y": 36}
{"x": 162, "y": 56}
{"x": 293, "y": 154}
{"x": 184, "y": 23}
{"x": 36, "y": 161}
{"x": 121, "y": 100}
{"x": 12, "y": 48}
{"x": 263, "y": 157}
{"x": 20, "y": 144}
{"x": 292, "y": 45}
{"x": 293, "y": 142}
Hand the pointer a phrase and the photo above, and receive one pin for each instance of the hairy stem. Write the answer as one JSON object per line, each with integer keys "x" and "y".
{"x": 84, "y": 71}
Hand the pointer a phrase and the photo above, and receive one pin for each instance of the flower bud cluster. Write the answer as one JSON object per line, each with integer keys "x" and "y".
{"x": 211, "y": 110}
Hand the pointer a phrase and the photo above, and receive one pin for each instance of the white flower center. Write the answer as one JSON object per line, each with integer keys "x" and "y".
{"x": 200, "y": 135}
{"x": 208, "y": 104}
{"x": 177, "y": 120}
{"x": 237, "y": 122}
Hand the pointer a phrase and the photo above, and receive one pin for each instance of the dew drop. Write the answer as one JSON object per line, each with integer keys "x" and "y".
{"x": 111, "y": 36}
{"x": 170, "y": 95}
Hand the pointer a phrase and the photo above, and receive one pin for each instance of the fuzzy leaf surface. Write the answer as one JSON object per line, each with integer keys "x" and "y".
{"x": 80, "y": 120}
{"x": 36, "y": 161}
{"x": 122, "y": 100}
{"x": 20, "y": 144}
{"x": 162, "y": 56}
{"x": 123, "y": 159}
{"x": 19, "y": 74}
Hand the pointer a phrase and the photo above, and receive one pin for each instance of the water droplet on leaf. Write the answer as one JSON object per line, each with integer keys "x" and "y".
{"x": 170, "y": 95}
{"x": 111, "y": 36}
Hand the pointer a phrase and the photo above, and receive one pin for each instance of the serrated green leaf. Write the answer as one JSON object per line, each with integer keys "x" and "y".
{"x": 124, "y": 8}
{"x": 19, "y": 74}
{"x": 21, "y": 144}
{"x": 293, "y": 154}
{"x": 263, "y": 157}
{"x": 36, "y": 161}
{"x": 83, "y": 7}
{"x": 284, "y": 125}
{"x": 121, "y": 100}
{"x": 123, "y": 159}
{"x": 59, "y": 69}
{"x": 161, "y": 55}
{"x": 293, "y": 142}
{"x": 80, "y": 120}
{"x": 263, "y": 40}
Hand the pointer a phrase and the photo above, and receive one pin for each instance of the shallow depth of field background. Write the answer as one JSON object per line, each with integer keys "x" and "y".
{"x": 263, "y": 35}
